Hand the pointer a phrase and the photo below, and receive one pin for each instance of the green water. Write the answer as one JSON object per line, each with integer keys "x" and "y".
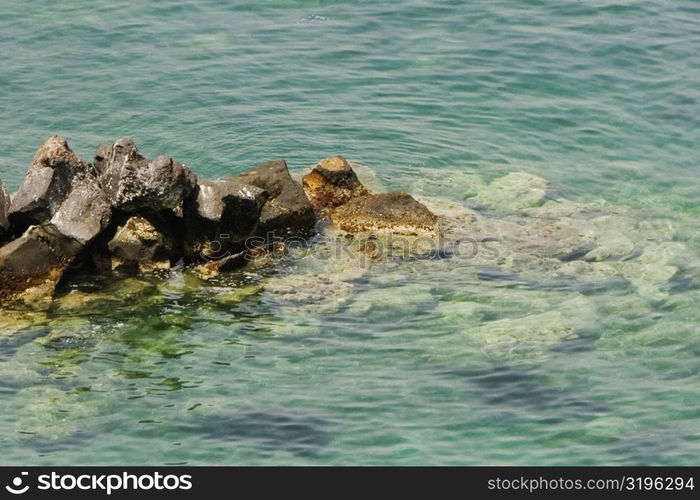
{"x": 598, "y": 97}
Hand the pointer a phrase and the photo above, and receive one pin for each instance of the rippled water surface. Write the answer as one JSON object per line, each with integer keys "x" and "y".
{"x": 397, "y": 365}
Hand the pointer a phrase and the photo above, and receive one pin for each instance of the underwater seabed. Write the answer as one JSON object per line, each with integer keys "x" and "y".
{"x": 537, "y": 310}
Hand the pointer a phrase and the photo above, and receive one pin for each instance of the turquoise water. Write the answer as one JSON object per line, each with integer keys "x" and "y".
{"x": 600, "y": 98}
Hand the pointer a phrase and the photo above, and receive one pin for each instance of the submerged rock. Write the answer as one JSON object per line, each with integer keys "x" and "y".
{"x": 398, "y": 213}
{"x": 4, "y": 209}
{"x": 132, "y": 183}
{"x": 46, "y": 184}
{"x": 219, "y": 215}
{"x": 139, "y": 246}
{"x": 332, "y": 183}
{"x": 32, "y": 265}
{"x": 512, "y": 193}
{"x": 287, "y": 210}
{"x": 526, "y": 337}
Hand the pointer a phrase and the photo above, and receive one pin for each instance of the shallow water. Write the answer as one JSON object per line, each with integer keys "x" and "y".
{"x": 396, "y": 365}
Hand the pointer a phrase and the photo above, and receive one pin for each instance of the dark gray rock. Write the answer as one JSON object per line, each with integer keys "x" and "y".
{"x": 85, "y": 213}
{"x": 46, "y": 185}
{"x": 138, "y": 246}
{"x": 4, "y": 209}
{"x": 288, "y": 210}
{"x": 132, "y": 183}
{"x": 219, "y": 215}
{"x": 332, "y": 183}
{"x": 33, "y": 264}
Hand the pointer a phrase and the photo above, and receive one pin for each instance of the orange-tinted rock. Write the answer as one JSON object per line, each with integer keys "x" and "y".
{"x": 332, "y": 183}
{"x": 397, "y": 213}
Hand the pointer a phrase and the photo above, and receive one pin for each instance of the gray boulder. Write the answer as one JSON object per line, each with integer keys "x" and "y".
{"x": 132, "y": 183}
{"x": 219, "y": 215}
{"x": 46, "y": 185}
{"x": 33, "y": 264}
{"x": 4, "y": 208}
{"x": 85, "y": 213}
{"x": 287, "y": 210}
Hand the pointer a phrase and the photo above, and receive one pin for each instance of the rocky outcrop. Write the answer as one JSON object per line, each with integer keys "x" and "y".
{"x": 287, "y": 211}
{"x": 132, "y": 183}
{"x": 4, "y": 208}
{"x": 219, "y": 215}
{"x": 32, "y": 265}
{"x": 397, "y": 213}
{"x": 46, "y": 185}
{"x": 138, "y": 246}
{"x": 332, "y": 183}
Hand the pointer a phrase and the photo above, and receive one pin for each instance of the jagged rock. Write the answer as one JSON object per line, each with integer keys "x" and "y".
{"x": 46, "y": 185}
{"x": 132, "y": 183}
{"x": 32, "y": 265}
{"x": 332, "y": 183}
{"x": 287, "y": 210}
{"x": 4, "y": 208}
{"x": 219, "y": 215}
{"x": 138, "y": 245}
{"x": 86, "y": 212}
{"x": 398, "y": 213}
{"x": 512, "y": 193}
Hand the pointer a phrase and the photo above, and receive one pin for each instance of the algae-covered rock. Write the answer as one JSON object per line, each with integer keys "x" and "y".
{"x": 238, "y": 294}
{"x": 393, "y": 304}
{"x": 15, "y": 321}
{"x": 398, "y": 213}
{"x": 127, "y": 292}
{"x": 139, "y": 246}
{"x": 526, "y": 337}
{"x": 448, "y": 183}
{"x": 512, "y": 193}
{"x": 32, "y": 265}
{"x": 332, "y": 183}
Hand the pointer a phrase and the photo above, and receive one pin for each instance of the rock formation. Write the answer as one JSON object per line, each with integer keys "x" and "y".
{"x": 332, "y": 183}
{"x": 46, "y": 185}
{"x": 133, "y": 184}
{"x": 287, "y": 210}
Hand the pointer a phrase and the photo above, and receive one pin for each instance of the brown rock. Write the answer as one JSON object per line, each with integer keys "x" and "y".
{"x": 138, "y": 246}
{"x": 32, "y": 265}
{"x": 332, "y": 183}
{"x": 397, "y": 213}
